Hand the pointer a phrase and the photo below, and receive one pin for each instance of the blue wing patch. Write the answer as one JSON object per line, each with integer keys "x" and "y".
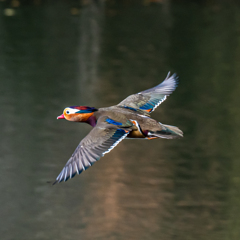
{"x": 109, "y": 120}
{"x": 117, "y": 137}
{"x": 130, "y": 108}
{"x": 151, "y": 105}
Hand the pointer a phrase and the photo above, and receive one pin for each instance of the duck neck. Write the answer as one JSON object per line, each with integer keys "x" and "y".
{"x": 92, "y": 121}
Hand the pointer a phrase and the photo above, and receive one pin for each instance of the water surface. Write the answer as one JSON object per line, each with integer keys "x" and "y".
{"x": 59, "y": 54}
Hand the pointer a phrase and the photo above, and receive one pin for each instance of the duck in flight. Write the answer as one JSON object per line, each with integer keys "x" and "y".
{"x": 129, "y": 119}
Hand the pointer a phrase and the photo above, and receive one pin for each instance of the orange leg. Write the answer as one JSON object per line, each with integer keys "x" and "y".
{"x": 150, "y": 138}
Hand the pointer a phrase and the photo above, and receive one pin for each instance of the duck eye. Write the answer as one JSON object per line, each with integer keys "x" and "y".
{"x": 67, "y": 112}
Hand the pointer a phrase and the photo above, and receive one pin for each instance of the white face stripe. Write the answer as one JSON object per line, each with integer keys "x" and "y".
{"x": 71, "y": 111}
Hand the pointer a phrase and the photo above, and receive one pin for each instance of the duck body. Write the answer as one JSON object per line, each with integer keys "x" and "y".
{"x": 129, "y": 119}
{"x": 139, "y": 124}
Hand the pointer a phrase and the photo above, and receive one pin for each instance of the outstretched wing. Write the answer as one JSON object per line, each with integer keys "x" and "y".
{"x": 149, "y": 99}
{"x": 100, "y": 140}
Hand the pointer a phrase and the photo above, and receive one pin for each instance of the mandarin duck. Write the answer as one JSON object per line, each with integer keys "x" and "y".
{"x": 129, "y": 119}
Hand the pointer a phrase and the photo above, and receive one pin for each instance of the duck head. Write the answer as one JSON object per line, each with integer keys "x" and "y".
{"x": 77, "y": 113}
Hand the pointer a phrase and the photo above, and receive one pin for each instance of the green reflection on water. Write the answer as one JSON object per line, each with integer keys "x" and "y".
{"x": 179, "y": 189}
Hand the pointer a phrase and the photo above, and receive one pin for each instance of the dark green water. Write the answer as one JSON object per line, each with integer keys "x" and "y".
{"x": 187, "y": 189}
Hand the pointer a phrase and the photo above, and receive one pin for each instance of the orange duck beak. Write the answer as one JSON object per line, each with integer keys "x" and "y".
{"x": 61, "y": 117}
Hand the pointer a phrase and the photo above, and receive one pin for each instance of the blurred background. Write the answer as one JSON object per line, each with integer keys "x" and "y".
{"x": 55, "y": 54}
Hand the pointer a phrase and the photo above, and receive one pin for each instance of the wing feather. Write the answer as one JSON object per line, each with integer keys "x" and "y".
{"x": 148, "y": 100}
{"x": 102, "y": 139}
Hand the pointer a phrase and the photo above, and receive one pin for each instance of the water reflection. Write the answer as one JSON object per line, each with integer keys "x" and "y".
{"x": 180, "y": 189}
{"x": 90, "y": 41}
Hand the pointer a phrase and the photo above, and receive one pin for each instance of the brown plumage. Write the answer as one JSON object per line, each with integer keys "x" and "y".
{"x": 130, "y": 118}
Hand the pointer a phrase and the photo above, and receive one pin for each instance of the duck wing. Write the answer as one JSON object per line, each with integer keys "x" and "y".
{"x": 150, "y": 99}
{"x": 100, "y": 140}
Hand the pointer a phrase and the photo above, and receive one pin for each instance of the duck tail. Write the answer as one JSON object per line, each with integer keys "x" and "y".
{"x": 167, "y": 131}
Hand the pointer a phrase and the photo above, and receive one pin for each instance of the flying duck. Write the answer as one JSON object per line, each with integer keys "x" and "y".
{"x": 129, "y": 119}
